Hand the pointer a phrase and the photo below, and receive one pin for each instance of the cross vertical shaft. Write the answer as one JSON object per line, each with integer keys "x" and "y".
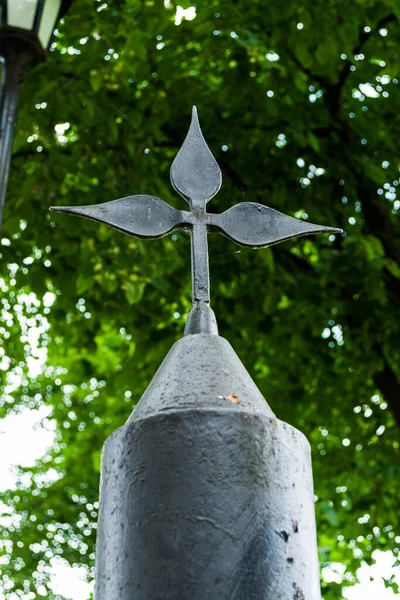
{"x": 201, "y": 318}
{"x": 200, "y": 269}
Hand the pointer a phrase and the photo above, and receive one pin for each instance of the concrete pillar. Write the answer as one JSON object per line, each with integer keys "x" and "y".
{"x": 205, "y": 494}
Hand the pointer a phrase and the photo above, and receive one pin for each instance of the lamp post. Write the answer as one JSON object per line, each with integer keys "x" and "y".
{"x": 26, "y": 27}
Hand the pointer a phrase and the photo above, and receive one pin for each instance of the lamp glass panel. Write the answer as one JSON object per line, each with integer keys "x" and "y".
{"x": 48, "y": 21}
{"x": 21, "y": 13}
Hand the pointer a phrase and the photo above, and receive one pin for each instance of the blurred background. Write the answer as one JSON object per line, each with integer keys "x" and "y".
{"x": 298, "y": 102}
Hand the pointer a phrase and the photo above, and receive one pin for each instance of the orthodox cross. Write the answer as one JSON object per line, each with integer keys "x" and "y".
{"x": 196, "y": 176}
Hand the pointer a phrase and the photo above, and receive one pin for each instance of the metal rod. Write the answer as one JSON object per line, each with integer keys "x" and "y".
{"x": 200, "y": 269}
{"x": 8, "y": 117}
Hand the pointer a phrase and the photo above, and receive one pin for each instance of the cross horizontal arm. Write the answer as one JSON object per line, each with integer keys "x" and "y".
{"x": 258, "y": 226}
{"x": 139, "y": 216}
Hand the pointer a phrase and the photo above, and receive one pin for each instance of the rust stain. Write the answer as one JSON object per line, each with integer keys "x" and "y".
{"x": 231, "y": 397}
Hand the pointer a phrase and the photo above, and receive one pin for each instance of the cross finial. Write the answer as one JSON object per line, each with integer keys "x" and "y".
{"x": 196, "y": 176}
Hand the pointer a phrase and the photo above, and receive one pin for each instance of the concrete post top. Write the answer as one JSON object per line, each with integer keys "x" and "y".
{"x": 201, "y": 372}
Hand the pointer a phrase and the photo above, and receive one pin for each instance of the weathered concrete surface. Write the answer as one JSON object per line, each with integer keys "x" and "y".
{"x": 203, "y": 498}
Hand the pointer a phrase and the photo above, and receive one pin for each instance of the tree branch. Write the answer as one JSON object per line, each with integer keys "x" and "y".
{"x": 386, "y": 381}
{"x": 363, "y": 37}
{"x": 334, "y": 90}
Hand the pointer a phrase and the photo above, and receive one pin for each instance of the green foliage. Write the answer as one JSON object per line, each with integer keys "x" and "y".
{"x": 305, "y": 98}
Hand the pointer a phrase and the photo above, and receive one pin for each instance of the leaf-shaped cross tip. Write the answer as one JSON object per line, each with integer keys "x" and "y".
{"x": 258, "y": 226}
{"x": 140, "y": 216}
{"x": 195, "y": 173}
{"x": 196, "y": 176}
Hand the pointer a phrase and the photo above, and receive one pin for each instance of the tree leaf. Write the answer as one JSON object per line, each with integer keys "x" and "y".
{"x": 134, "y": 291}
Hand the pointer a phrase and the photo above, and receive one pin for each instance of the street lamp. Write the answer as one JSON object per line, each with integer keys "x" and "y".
{"x": 26, "y": 27}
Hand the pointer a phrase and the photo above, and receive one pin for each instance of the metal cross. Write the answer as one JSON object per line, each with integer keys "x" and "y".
{"x": 196, "y": 176}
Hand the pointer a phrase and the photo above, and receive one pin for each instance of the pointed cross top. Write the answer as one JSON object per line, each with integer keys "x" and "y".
{"x": 195, "y": 173}
{"x": 196, "y": 176}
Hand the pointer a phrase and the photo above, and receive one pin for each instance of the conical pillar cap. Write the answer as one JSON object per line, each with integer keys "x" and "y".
{"x": 201, "y": 372}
